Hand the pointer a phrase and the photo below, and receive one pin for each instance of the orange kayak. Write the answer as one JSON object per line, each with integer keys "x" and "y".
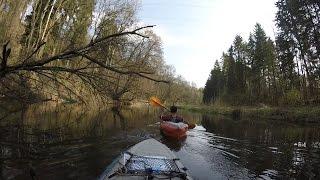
{"x": 174, "y": 130}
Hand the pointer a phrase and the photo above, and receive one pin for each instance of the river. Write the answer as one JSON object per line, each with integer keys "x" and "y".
{"x": 74, "y": 142}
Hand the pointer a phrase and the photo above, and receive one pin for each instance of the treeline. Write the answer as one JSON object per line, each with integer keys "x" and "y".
{"x": 284, "y": 72}
{"x": 85, "y": 51}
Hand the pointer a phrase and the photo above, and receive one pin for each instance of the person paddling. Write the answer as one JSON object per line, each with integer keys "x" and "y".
{"x": 173, "y": 117}
{"x": 154, "y": 101}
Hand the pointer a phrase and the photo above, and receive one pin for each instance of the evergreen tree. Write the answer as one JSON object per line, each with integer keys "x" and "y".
{"x": 230, "y": 73}
{"x": 239, "y": 54}
{"x": 249, "y": 73}
{"x": 257, "y": 46}
{"x": 272, "y": 72}
{"x": 298, "y": 43}
{"x": 214, "y": 85}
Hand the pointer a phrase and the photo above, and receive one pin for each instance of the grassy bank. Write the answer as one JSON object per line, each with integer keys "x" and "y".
{"x": 306, "y": 114}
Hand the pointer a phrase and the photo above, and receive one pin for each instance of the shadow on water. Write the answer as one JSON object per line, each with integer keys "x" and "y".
{"x": 68, "y": 141}
{"x": 173, "y": 144}
{"x": 72, "y": 142}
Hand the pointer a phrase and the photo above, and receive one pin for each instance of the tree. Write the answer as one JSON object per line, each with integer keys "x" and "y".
{"x": 249, "y": 73}
{"x": 61, "y": 58}
{"x": 258, "y": 61}
{"x": 239, "y": 54}
{"x": 298, "y": 39}
{"x": 214, "y": 85}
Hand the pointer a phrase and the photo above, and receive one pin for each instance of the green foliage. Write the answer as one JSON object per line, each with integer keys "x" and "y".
{"x": 298, "y": 46}
{"x": 77, "y": 61}
{"x": 282, "y": 72}
{"x": 214, "y": 85}
{"x": 292, "y": 97}
{"x": 248, "y": 73}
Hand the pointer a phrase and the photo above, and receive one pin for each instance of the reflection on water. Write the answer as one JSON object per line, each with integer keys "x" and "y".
{"x": 268, "y": 149}
{"x": 173, "y": 144}
{"x": 68, "y": 141}
{"x": 72, "y": 142}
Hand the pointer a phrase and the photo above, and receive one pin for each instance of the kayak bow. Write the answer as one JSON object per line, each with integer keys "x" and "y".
{"x": 148, "y": 159}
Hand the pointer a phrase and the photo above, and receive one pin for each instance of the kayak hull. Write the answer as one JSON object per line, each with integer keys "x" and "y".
{"x": 146, "y": 148}
{"x": 174, "y": 130}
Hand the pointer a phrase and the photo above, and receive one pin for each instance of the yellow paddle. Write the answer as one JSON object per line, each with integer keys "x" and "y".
{"x": 154, "y": 101}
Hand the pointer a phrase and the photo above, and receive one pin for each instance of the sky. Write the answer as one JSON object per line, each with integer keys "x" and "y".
{"x": 195, "y": 33}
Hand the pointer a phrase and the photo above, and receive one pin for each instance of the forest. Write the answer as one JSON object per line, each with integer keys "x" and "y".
{"x": 280, "y": 72}
{"x": 86, "y": 90}
{"x": 86, "y": 51}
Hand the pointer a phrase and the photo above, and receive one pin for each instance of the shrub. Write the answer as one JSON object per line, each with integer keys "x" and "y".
{"x": 292, "y": 97}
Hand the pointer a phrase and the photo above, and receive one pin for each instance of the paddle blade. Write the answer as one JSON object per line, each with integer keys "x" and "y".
{"x": 154, "y": 101}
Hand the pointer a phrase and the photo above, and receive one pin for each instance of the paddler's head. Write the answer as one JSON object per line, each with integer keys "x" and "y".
{"x": 173, "y": 109}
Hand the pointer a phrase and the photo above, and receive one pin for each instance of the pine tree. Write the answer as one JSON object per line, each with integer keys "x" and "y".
{"x": 257, "y": 45}
{"x": 239, "y": 54}
{"x": 298, "y": 43}
{"x": 214, "y": 85}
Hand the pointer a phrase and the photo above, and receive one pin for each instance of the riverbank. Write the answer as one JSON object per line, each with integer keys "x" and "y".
{"x": 306, "y": 114}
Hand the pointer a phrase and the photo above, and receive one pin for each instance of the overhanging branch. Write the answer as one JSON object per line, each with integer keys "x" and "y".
{"x": 121, "y": 72}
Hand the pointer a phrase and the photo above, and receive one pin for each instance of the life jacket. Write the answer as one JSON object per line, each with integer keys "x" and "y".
{"x": 175, "y": 119}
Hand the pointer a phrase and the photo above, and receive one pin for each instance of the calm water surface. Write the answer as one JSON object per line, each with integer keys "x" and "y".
{"x": 70, "y": 142}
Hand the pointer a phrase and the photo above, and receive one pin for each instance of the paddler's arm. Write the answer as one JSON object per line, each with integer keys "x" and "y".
{"x": 184, "y": 121}
{"x": 190, "y": 125}
{"x": 165, "y": 117}
{"x": 161, "y": 116}
{"x": 180, "y": 119}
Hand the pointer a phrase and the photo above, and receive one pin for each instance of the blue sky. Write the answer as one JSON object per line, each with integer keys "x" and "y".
{"x": 196, "y": 32}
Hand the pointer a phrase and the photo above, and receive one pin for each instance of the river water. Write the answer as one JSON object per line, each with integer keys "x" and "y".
{"x": 73, "y": 142}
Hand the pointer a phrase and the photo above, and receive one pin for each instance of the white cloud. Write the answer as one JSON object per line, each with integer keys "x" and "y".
{"x": 169, "y": 39}
{"x": 193, "y": 49}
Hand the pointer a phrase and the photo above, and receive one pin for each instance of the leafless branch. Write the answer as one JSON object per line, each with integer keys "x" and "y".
{"x": 34, "y": 52}
{"x": 71, "y": 53}
{"x": 121, "y": 72}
